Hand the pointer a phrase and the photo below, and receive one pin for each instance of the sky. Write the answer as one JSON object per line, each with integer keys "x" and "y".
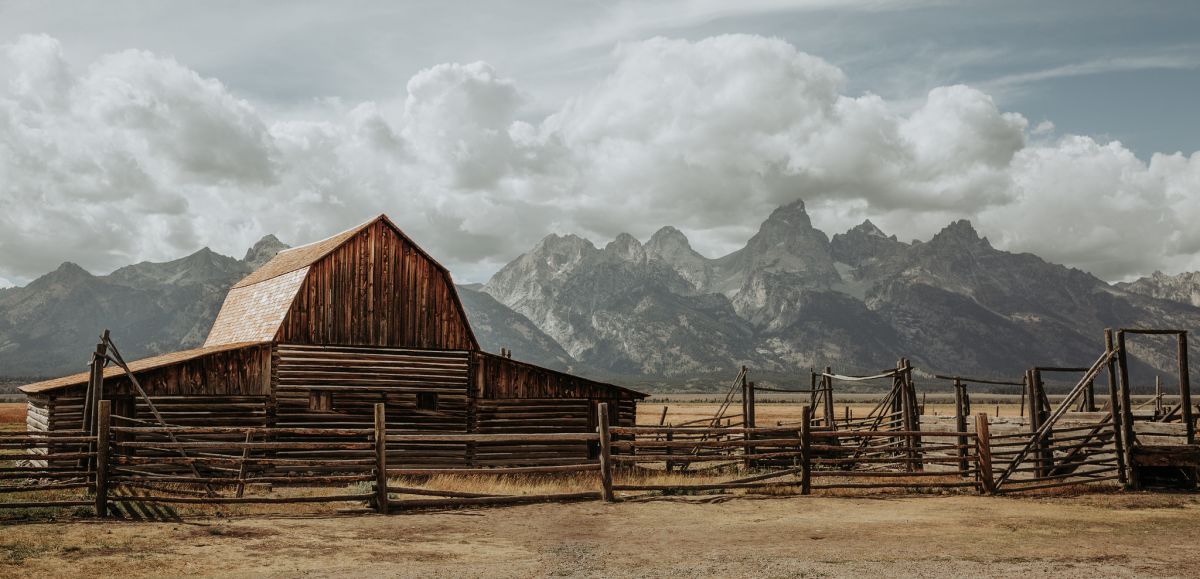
{"x": 134, "y": 131}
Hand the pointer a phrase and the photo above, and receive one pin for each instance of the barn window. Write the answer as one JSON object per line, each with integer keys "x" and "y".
{"x": 427, "y": 401}
{"x": 320, "y": 400}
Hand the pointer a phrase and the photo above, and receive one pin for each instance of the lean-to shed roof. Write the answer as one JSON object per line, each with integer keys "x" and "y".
{"x": 136, "y": 366}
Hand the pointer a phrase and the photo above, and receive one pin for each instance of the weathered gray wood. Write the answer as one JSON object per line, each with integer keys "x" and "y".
{"x": 103, "y": 411}
{"x": 1185, "y": 389}
{"x": 380, "y": 440}
{"x": 806, "y": 450}
{"x": 984, "y": 452}
{"x": 605, "y": 453}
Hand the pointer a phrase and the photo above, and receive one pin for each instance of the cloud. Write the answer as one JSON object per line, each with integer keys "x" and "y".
{"x": 135, "y": 156}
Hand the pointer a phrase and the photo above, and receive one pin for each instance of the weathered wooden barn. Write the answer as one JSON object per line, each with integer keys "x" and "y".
{"x": 322, "y": 332}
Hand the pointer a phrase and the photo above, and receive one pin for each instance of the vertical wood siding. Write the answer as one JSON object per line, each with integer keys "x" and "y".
{"x": 377, "y": 289}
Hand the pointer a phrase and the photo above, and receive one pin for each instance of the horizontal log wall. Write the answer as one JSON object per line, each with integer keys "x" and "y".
{"x": 356, "y": 378}
{"x": 500, "y": 378}
{"x": 379, "y": 289}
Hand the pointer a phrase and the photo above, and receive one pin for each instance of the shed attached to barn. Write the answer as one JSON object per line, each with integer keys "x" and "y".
{"x": 321, "y": 333}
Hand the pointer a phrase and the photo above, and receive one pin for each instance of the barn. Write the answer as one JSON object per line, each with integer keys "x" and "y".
{"x": 321, "y": 333}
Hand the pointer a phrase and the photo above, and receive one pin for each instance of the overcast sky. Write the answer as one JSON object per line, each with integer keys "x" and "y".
{"x": 137, "y": 131}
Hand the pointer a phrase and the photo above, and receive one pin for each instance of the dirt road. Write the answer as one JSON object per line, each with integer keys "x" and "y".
{"x": 1089, "y": 535}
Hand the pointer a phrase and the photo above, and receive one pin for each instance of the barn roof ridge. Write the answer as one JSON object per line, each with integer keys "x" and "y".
{"x": 294, "y": 258}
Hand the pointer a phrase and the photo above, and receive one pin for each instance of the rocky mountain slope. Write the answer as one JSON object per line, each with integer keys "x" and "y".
{"x": 660, "y": 312}
{"x": 1183, "y": 288}
{"x": 793, "y": 298}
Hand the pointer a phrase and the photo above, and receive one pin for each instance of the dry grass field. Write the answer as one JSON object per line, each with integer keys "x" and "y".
{"x": 1116, "y": 535}
{"x": 1058, "y": 533}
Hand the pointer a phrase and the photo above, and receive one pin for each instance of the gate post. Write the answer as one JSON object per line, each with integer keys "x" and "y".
{"x": 960, "y": 423}
{"x": 1115, "y": 415}
{"x": 1127, "y": 435}
{"x": 381, "y": 493}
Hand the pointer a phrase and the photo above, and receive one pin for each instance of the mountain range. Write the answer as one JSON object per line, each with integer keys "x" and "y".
{"x": 659, "y": 312}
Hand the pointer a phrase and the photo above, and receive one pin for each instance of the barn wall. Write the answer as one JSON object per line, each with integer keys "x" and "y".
{"x": 231, "y": 387}
{"x": 357, "y": 378}
{"x": 503, "y": 378}
{"x": 515, "y": 397}
{"x": 377, "y": 289}
{"x": 231, "y": 373}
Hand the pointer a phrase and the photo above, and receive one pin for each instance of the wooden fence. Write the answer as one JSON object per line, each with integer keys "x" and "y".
{"x": 215, "y": 465}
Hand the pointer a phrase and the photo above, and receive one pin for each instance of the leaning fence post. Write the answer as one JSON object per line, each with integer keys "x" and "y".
{"x": 983, "y": 454}
{"x": 806, "y": 450}
{"x": 103, "y": 411}
{"x": 606, "y": 482}
{"x": 381, "y": 493}
{"x": 241, "y": 484}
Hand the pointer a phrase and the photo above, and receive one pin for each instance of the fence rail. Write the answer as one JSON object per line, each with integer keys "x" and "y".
{"x": 212, "y": 465}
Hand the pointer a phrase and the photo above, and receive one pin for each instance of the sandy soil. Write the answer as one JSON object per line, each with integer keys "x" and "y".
{"x": 1089, "y": 535}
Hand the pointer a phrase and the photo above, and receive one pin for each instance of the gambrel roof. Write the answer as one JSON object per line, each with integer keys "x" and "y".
{"x": 257, "y": 305}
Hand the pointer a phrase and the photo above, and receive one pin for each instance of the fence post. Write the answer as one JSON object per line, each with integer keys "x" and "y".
{"x": 1128, "y": 438}
{"x": 1114, "y": 409}
{"x": 103, "y": 411}
{"x": 827, "y": 409}
{"x": 806, "y": 450}
{"x": 670, "y": 437}
{"x": 983, "y": 454}
{"x": 381, "y": 493}
{"x": 241, "y": 485}
{"x": 1185, "y": 390}
{"x": 749, "y": 422}
{"x": 606, "y": 482}
{"x": 960, "y": 422}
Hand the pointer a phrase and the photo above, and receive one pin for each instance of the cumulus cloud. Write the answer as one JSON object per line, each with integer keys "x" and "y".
{"x": 138, "y": 157}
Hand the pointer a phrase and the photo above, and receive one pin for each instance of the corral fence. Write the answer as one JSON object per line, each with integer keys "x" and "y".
{"x": 134, "y": 466}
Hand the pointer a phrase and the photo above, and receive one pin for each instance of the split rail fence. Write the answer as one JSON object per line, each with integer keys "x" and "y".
{"x": 127, "y": 467}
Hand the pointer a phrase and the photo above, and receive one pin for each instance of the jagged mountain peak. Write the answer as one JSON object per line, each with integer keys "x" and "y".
{"x": 870, "y": 229}
{"x": 793, "y": 213}
{"x": 68, "y": 273}
{"x": 563, "y": 243}
{"x": 960, "y": 232}
{"x": 263, "y": 250}
{"x": 70, "y": 269}
{"x": 672, "y": 247}
{"x": 626, "y": 247}
{"x": 785, "y": 243}
{"x": 668, "y": 236}
{"x": 201, "y": 267}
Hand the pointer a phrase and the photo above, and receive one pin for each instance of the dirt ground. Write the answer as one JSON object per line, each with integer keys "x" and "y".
{"x": 1115, "y": 535}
